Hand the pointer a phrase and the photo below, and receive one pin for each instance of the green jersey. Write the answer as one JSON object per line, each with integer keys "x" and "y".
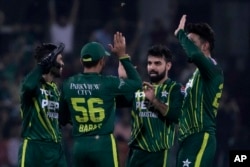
{"x": 88, "y": 100}
{"x": 150, "y": 130}
{"x": 202, "y": 92}
{"x": 39, "y": 108}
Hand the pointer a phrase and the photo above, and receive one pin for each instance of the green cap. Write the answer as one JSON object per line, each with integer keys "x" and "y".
{"x": 93, "y": 51}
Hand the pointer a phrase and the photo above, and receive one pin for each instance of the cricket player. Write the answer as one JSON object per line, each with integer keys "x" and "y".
{"x": 88, "y": 102}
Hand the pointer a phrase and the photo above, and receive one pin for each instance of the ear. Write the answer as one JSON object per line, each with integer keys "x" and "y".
{"x": 168, "y": 66}
{"x": 102, "y": 62}
{"x": 205, "y": 46}
{"x": 81, "y": 61}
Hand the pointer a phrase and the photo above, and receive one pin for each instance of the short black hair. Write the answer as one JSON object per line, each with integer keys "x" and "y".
{"x": 203, "y": 30}
{"x": 90, "y": 64}
{"x": 160, "y": 51}
{"x": 43, "y": 50}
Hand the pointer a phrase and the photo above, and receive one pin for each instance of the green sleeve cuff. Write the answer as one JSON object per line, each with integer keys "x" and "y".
{"x": 126, "y": 56}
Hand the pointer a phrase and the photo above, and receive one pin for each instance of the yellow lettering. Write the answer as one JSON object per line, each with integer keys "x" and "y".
{"x": 88, "y": 127}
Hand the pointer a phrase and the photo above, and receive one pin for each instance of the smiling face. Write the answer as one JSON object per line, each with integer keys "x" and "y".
{"x": 157, "y": 69}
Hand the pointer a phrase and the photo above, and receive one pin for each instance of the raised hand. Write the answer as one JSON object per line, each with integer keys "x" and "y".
{"x": 181, "y": 24}
{"x": 119, "y": 47}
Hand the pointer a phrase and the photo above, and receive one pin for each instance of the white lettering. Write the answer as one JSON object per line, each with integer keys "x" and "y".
{"x": 52, "y": 115}
{"x": 84, "y": 92}
{"x": 141, "y": 105}
{"x": 46, "y": 92}
{"x": 240, "y": 158}
{"x": 84, "y": 86}
{"x": 51, "y": 105}
{"x": 139, "y": 94}
{"x": 148, "y": 114}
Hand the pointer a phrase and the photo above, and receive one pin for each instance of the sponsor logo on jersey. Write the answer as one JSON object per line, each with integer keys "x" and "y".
{"x": 84, "y": 89}
{"x": 52, "y": 115}
{"x": 148, "y": 114}
{"x": 46, "y": 92}
{"x": 122, "y": 82}
{"x": 51, "y": 105}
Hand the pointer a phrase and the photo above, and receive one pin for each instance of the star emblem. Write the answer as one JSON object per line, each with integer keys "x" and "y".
{"x": 164, "y": 93}
{"x": 186, "y": 163}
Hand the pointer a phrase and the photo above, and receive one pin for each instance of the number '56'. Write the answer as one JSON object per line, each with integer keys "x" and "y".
{"x": 90, "y": 112}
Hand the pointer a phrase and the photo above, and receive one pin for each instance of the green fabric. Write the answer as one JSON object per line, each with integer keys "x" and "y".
{"x": 93, "y": 51}
{"x": 139, "y": 158}
{"x": 150, "y": 130}
{"x": 88, "y": 100}
{"x": 202, "y": 92}
{"x": 95, "y": 151}
{"x": 39, "y": 108}
{"x": 197, "y": 150}
{"x": 41, "y": 154}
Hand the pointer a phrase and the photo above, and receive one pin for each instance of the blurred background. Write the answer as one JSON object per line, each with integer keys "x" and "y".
{"x": 25, "y": 24}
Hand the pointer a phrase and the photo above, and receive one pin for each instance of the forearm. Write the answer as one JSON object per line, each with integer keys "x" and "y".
{"x": 32, "y": 79}
{"x": 161, "y": 107}
{"x": 130, "y": 70}
{"x": 189, "y": 47}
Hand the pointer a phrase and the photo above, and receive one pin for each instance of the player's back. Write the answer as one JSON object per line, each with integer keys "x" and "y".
{"x": 92, "y": 106}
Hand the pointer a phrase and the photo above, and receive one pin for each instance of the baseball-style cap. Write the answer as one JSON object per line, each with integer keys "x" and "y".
{"x": 93, "y": 51}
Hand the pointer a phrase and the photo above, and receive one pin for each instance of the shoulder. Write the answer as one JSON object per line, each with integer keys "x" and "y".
{"x": 174, "y": 86}
{"x": 171, "y": 83}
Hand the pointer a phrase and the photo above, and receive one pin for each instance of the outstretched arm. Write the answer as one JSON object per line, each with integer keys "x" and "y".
{"x": 74, "y": 11}
{"x": 181, "y": 24}
{"x": 52, "y": 11}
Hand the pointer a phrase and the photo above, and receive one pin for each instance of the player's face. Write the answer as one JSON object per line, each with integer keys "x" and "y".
{"x": 57, "y": 69}
{"x": 157, "y": 69}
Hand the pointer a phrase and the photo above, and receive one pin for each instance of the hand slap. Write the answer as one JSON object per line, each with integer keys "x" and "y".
{"x": 181, "y": 24}
{"x": 119, "y": 44}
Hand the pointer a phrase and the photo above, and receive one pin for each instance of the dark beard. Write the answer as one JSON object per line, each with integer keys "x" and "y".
{"x": 55, "y": 71}
{"x": 158, "y": 77}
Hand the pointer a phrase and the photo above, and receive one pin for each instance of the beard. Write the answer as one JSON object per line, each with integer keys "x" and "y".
{"x": 158, "y": 77}
{"x": 55, "y": 71}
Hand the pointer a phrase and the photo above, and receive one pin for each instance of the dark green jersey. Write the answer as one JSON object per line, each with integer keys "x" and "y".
{"x": 150, "y": 130}
{"x": 39, "y": 108}
{"x": 202, "y": 92}
{"x": 88, "y": 100}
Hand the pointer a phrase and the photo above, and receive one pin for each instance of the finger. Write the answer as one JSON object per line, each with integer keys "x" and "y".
{"x": 148, "y": 85}
{"x": 115, "y": 38}
{"x": 123, "y": 40}
{"x": 119, "y": 38}
{"x": 111, "y": 47}
{"x": 183, "y": 21}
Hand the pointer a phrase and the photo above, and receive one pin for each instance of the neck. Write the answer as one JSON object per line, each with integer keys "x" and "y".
{"x": 95, "y": 69}
{"x": 48, "y": 77}
{"x": 207, "y": 54}
{"x": 161, "y": 81}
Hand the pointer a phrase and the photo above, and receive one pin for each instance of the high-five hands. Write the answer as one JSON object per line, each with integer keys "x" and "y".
{"x": 181, "y": 24}
{"x": 119, "y": 47}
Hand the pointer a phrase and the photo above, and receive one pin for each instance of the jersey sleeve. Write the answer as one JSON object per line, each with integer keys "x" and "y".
{"x": 129, "y": 85}
{"x": 207, "y": 67}
{"x": 31, "y": 81}
{"x": 175, "y": 103}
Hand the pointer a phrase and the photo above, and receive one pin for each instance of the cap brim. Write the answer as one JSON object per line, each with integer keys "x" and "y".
{"x": 107, "y": 53}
